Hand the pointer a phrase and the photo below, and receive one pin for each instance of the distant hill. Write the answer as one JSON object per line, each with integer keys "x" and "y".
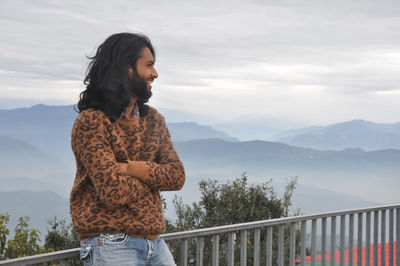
{"x": 263, "y": 154}
{"x": 40, "y": 140}
{"x": 49, "y": 128}
{"x": 19, "y": 158}
{"x": 13, "y": 147}
{"x": 316, "y": 200}
{"x": 353, "y": 134}
{"x": 190, "y": 130}
{"x": 46, "y": 127}
{"x": 39, "y": 206}
{"x": 370, "y": 175}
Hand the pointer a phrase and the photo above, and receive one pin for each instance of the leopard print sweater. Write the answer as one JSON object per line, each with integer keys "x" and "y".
{"x": 105, "y": 201}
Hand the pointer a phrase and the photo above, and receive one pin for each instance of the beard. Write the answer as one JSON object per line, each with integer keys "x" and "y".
{"x": 138, "y": 89}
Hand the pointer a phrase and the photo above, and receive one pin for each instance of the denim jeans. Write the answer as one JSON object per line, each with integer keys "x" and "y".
{"x": 119, "y": 249}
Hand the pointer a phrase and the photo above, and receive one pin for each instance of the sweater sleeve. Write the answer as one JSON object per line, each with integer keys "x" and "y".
{"x": 167, "y": 173}
{"x": 92, "y": 149}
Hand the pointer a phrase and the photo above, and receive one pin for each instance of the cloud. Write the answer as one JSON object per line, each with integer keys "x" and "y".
{"x": 217, "y": 55}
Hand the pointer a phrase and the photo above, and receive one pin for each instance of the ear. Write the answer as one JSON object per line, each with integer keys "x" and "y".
{"x": 130, "y": 71}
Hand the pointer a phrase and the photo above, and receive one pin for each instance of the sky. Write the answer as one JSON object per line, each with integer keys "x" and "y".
{"x": 305, "y": 62}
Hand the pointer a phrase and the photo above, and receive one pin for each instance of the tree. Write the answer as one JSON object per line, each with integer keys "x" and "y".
{"x": 4, "y": 219}
{"x": 60, "y": 236}
{"x": 25, "y": 242}
{"x": 231, "y": 203}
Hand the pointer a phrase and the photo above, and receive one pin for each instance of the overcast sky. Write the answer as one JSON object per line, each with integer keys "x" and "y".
{"x": 306, "y": 62}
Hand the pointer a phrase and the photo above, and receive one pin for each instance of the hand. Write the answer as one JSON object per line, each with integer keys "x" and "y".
{"x": 123, "y": 168}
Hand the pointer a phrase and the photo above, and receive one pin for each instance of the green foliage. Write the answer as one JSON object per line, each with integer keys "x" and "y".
{"x": 26, "y": 239}
{"x": 4, "y": 219}
{"x": 231, "y": 203}
{"x": 60, "y": 236}
{"x": 25, "y": 242}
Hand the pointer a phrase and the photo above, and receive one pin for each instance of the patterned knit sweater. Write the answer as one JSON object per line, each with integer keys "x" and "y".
{"x": 102, "y": 199}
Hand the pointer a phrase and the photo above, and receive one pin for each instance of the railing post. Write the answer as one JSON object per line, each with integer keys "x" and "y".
{"x": 360, "y": 239}
{"x": 292, "y": 256}
{"x": 351, "y": 239}
{"x": 243, "y": 248}
{"x": 368, "y": 239}
{"x": 215, "y": 250}
{"x": 269, "y": 246}
{"x": 323, "y": 239}
{"x": 303, "y": 233}
{"x": 281, "y": 247}
{"x": 199, "y": 251}
{"x": 313, "y": 241}
{"x": 391, "y": 235}
{"x": 376, "y": 234}
{"x": 257, "y": 236}
{"x": 342, "y": 238}
{"x": 231, "y": 249}
{"x": 333, "y": 240}
{"x": 184, "y": 249}
{"x": 383, "y": 237}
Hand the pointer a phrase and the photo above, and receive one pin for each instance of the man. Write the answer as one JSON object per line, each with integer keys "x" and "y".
{"x": 124, "y": 157}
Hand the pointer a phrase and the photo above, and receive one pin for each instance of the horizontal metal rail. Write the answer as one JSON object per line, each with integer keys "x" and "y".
{"x": 46, "y": 257}
{"x": 299, "y": 222}
{"x": 264, "y": 223}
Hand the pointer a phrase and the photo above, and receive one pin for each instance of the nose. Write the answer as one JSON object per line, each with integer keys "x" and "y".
{"x": 154, "y": 74}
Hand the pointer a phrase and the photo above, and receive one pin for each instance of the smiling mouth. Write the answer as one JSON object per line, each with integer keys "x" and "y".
{"x": 149, "y": 82}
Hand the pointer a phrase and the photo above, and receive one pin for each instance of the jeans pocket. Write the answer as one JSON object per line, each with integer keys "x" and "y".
{"x": 85, "y": 254}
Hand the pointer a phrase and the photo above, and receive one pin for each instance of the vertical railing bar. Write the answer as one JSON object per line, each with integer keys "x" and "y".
{"x": 281, "y": 247}
{"x": 64, "y": 262}
{"x": 323, "y": 244}
{"x": 351, "y": 239}
{"x": 391, "y": 235}
{"x": 313, "y": 241}
{"x": 215, "y": 250}
{"x": 398, "y": 237}
{"x": 199, "y": 251}
{"x": 257, "y": 236}
{"x": 342, "y": 238}
{"x": 383, "y": 237}
{"x": 269, "y": 246}
{"x": 368, "y": 239}
{"x": 333, "y": 240}
{"x": 184, "y": 249}
{"x": 243, "y": 248}
{"x": 376, "y": 233}
{"x": 231, "y": 249}
{"x": 292, "y": 256}
{"x": 303, "y": 230}
{"x": 359, "y": 238}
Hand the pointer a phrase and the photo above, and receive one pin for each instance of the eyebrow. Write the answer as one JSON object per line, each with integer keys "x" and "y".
{"x": 150, "y": 61}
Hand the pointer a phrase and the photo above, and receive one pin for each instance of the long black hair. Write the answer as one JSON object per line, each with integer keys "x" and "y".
{"x": 107, "y": 79}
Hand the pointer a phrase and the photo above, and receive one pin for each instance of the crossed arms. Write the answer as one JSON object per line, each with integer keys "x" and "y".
{"x": 118, "y": 183}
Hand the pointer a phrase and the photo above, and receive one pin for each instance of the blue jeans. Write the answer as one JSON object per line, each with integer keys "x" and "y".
{"x": 119, "y": 249}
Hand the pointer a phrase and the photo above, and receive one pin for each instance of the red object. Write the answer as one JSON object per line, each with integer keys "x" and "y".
{"x": 355, "y": 256}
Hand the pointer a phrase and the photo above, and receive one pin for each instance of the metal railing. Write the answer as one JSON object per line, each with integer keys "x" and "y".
{"x": 287, "y": 241}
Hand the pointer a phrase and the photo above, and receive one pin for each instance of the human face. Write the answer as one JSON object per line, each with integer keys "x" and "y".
{"x": 145, "y": 67}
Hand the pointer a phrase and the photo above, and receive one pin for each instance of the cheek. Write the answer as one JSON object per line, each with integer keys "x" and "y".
{"x": 143, "y": 73}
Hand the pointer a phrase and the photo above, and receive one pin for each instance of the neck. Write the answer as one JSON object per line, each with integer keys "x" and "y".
{"x": 128, "y": 111}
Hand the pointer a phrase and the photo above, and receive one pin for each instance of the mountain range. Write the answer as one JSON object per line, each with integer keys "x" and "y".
{"x": 353, "y": 134}
{"x": 47, "y": 127}
{"x": 35, "y": 154}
